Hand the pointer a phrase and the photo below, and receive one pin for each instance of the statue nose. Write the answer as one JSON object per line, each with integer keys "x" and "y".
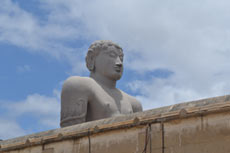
{"x": 119, "y": 62}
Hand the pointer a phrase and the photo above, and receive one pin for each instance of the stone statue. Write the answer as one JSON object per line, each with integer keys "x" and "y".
{"x": 96, "y": 97}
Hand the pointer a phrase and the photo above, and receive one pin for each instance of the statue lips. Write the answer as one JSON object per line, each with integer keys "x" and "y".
{"x": 118, "y": 68}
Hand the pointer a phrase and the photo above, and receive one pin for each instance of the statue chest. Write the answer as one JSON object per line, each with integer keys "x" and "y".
{"x": 108, "y": 103}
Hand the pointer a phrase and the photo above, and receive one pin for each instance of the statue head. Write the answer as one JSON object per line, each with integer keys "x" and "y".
{"x": 106, "y": 58}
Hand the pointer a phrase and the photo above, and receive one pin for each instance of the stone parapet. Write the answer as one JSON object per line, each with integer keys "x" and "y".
{"x": 197, "y": 126}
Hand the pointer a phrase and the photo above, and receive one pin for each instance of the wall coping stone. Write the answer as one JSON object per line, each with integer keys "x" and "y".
{"x": 157, "y": 115}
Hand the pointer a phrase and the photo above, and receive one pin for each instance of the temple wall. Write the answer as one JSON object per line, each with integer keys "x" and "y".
{"x": 196, "y": 127}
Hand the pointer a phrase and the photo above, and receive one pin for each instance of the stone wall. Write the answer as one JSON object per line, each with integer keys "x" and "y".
{"x": 196, "y": 127}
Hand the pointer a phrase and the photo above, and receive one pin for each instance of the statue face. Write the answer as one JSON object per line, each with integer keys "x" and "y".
{"x": 109, "y": 63}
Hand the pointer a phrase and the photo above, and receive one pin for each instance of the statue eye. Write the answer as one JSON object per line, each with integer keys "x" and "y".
{"x": 112, "y": 54}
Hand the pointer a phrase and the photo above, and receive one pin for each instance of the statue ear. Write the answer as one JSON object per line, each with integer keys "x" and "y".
{"x": 90, "y": 60}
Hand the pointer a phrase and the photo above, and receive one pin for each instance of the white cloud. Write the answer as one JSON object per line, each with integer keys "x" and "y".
{"x": 163, "y": 92}
{"x": 189, "y": 38}
{"x": 21, "y": 28}
{"x": 10, "y": 129}
{"x": 37, "y": 104}
{"x": 44, "y": 110}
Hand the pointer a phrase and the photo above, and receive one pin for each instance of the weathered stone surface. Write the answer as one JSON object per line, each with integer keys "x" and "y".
{"x": 202, "y": 127}
{"x": 154, "y": 143}
{"x": 123, "y": 140}
{"x": 208, "y": 133}
{"x": 68, "y": 146}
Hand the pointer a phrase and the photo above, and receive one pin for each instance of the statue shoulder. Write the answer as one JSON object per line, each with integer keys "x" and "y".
{"x": 78, "y": 83}
{"x": 74, "y": 100}
{"x": 136, "y": 104}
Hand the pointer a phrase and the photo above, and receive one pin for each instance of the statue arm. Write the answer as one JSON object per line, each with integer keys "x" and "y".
{"x": 136, "y": 105}
{"x": 74, "y": 101}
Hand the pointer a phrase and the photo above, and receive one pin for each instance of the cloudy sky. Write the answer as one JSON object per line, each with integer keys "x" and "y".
{"x": 175, "y": 51}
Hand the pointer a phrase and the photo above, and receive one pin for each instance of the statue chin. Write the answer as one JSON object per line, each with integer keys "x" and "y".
{"x": 116, "y": 76}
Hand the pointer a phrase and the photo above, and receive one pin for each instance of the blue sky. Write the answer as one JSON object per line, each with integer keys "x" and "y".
{"x": 175, "y": 51}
